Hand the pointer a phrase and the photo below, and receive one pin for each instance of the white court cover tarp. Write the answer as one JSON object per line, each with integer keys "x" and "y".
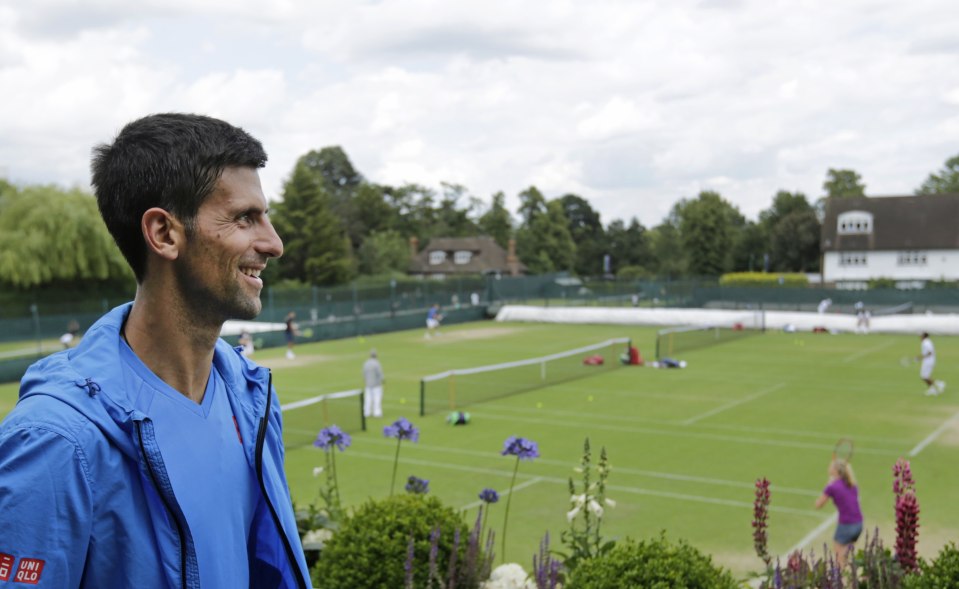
{"x": 941, "y": 324}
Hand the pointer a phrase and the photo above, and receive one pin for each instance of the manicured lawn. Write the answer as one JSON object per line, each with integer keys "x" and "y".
{"x": 685, "y": 445}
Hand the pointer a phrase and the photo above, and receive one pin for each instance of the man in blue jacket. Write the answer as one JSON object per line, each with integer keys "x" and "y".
{"x": 151, "y": 455}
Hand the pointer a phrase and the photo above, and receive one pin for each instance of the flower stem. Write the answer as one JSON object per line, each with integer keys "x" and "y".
{"x": 336, "y": 486}
{"x": 396, "y": 462}
{"x": 508, "y": 500}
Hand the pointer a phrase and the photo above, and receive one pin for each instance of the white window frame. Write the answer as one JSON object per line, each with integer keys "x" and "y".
{"x": 912, "y": 258}
{"x": 462, "y": 257}
{"x": 437, "y": 257}
{"x": 853, "y": 259}
{"x": 854, "y": 223}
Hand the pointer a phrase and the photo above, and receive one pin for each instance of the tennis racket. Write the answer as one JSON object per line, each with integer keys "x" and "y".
{"x": 843, "y": 449}
{"x": 907, "y": 360}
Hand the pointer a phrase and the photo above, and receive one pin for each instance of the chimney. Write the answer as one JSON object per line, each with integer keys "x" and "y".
{"x": 512, "y": 262}
{"x": 414, "y": 247}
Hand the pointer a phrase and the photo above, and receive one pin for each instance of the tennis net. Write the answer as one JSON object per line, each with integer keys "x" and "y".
{"x": 454, "y": 389}
{"x": 303, "y": 420}
{"x": 676, "y": 340}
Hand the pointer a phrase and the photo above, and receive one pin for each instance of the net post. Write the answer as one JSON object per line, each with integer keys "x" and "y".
{"x": 362, "y": 413}
{"x": 422, "y": 397}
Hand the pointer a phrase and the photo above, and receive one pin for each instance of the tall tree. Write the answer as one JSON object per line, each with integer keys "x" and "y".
{"x": 628, "y": 246}
{"x": 708, "y": 227}
{"x": 843, "y": 184}
{"x": 532, "y": 203}
{"x": 332, "y": 169}
{"x": 587, "y": 232}
{"x": 792, "y": 230}
{"x": 453, "y": 220}
{"x": 497, "y": 222}
{"x": 946, "y": 181}
{"x": 317, "y": 249}
{"x": 50, "y": 236}
{"x": 669, "y": 260}
{"x": 544, "y": 244}
{"x": 382, "y": 252}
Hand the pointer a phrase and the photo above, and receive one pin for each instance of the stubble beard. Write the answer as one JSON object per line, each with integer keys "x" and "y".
{"x": 209, "y": 304}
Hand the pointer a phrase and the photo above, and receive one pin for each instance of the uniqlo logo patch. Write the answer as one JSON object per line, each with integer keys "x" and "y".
{"x": 6, "y": 565}
{"x": 28, "y": 571}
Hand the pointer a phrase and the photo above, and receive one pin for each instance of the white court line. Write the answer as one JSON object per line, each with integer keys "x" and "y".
{"x": 624, "y": 470}
{"x": 801, "y": 545}
{"x": 732, "y": 404}
{"x": 565, "y": 482}
{"x": 685, "y": 433}
{"x": 867, "y": 351}
{"x": 932, "y": 437}
{"x": 502, "y": 494}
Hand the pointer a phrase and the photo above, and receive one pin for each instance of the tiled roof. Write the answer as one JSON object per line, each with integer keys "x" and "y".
{"x": 486, "y": 256}
{"x": 898, "y": 223}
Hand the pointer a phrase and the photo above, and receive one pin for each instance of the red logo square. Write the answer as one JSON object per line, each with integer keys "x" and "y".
{"x": 6, "y": 565}
{"x": 28, "y": 571}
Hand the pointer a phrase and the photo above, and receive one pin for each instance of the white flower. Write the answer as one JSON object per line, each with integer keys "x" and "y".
{"x": 572, "y": 513}
{"x": 509, "y": 576}
{"x": 317, "y": 470}
{"x": 610, "y": 502}
{"x": 596, "y": 508}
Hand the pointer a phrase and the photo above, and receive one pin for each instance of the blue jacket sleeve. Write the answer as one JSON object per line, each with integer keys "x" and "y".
{"x": 45, "y": 506}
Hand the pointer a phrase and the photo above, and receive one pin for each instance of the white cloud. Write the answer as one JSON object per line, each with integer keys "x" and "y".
{"x": 631, "y": 104}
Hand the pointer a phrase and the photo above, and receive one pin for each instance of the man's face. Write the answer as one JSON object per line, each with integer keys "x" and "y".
{"x": 219, "y": 270}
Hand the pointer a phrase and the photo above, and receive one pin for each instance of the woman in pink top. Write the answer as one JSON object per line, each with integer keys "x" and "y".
{"x": 843, "y": 491}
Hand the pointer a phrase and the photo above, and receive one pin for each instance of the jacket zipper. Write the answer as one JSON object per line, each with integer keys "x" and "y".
{"x": 166, "y": 504}
{"x": 260, "y": 438}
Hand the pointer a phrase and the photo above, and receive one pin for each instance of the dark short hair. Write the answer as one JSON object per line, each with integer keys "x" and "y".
{"x": 171, "y": 161}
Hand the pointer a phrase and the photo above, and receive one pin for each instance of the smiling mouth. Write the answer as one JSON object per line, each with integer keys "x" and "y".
{"x": 251, "y": 272}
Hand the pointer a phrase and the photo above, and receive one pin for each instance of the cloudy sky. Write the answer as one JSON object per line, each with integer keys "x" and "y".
{"x": 632, "y": 104}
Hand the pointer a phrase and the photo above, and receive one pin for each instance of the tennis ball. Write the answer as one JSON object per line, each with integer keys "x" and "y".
{"x": 402, "y": 400}
{"x": 539, "y": 405}
{"x": 589, "y": 398}
{"x": 362, "y": 339}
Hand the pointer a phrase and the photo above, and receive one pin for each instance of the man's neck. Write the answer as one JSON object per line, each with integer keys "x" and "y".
{"x": 170, "y": 343}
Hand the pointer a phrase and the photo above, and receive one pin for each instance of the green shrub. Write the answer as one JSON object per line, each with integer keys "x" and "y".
{"x": 633, "y": 273}
{"x": 764, "y": 279}
{"x": 941, "y": 573}
{"x": 654, "y": 564}
{"x": 371, "y": 547}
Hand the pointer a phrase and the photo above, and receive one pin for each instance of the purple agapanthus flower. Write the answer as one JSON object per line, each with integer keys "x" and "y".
{"x": 402, "y": 429}
{"x": 417, "y": 486}
{"x": 489, "y": 496}
{"x": 520, "y": 447}
{"x": 332, "y": 436}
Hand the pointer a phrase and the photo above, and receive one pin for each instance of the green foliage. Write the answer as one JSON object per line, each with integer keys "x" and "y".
{"x": 587, "y": 232}
{"x": 764, "y": 279}
{"x": 881, "y": 283}
{"x": 543, "y": 242}
{"x": 50, "y": 236}
{"x": 843, "y": 184}
{"x": 707, "y": 228}
{"x": 370, "y": 549}
{"x": 941, "y": 573}
{"x": 383, "y": 252}
{"x": 945, "y": 182}
{"x": 654, "y": 564}
{"x": 317, "y": 249}
{"x": 633, "y": 273}
{"x": 497, "y": 222}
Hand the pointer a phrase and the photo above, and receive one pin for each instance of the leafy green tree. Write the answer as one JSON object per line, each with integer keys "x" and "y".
{"x": 794, "y": 242}
{"x": 50, "y": 236}
{"x": 668, "y": 259}
{"x": 944, "y": 182}
{"x": 497, "y": 222}
{"x": 843, "y": 184}
{"x": 749, "y": 247}
{"x": 414, "y": 213}
{"x": 532, "y": 203}
{"x": 586, "y": 228}
{"x": 383, "y": 252}
{"x": 316, "y": 247}
{"x": 451, "y": 219}
{"x": 628, "y": 246}
{"x": 544, "y": 243}
{"x": 708, "y": 227}
{"x": 792, "y": 231}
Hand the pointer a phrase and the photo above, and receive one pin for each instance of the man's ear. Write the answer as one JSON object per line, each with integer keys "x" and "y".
{"x": 164, "y": 234}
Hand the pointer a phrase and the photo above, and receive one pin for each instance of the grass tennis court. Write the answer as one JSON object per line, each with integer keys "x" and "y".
{"x": 686, "y": 445}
